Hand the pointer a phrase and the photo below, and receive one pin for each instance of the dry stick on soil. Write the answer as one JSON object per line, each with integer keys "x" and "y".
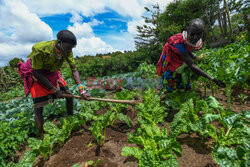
{"x": 131, "y": 102}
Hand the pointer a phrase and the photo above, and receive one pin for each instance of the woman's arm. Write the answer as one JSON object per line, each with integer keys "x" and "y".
{"x": 39, "y": 76}
{"x": 189, "y": 61}
{"x": 77, "y": 79}
{"x": 75, "y": 74}
{"x": 192, "y": 56}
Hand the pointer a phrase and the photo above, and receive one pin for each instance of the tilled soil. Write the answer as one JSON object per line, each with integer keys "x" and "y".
{"x": 81, "y": 147}
{"x": 79, "y": 150}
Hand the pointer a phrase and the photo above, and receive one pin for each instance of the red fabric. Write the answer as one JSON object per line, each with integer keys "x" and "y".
{"x": 38, "y": 91}
{"x": 173, "y": 59}
{"x": 27, "y": 72}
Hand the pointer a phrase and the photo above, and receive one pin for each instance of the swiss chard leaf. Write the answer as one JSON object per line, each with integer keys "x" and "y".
{"x": 225, "y": 156}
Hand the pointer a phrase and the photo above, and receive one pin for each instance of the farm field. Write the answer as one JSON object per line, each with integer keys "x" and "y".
{"x": 168, "y": 83}
{"x": 195, "y": 150}
{"x": 205, "y": 126}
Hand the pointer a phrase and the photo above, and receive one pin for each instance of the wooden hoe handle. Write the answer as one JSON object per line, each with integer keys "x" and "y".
{"x": 131, "y": 102}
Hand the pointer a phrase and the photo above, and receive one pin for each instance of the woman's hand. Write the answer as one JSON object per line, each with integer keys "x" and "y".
{"x": 219, "y": 83}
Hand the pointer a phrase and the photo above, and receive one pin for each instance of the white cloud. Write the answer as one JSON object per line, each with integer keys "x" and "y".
{"x": 91, "y": 46}
{"x": 162, "y": 3}
{"x": 76, "y": 17}
{"x": 133, "y": 8}
{"x": 127, "y": 7}
{"x": 122, "y": 41}
{"x": 81, "y": 30}
{"x": 133, "y": 24}
{"x": 95, "y": 22}
{"x": 21, "y": 27}
{"x": 4, "y": 38}
{"x": 11, "y": 50}
{"x": 87, "y": 43}
{"x": 50, "y": 7}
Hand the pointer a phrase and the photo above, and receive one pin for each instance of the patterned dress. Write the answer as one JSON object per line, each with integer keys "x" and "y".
{"x": 171, "y": 60}
{"x": 43, "y": 57}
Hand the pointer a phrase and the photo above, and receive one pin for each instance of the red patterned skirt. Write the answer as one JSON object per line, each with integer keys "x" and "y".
{"x": 41, "y": 95}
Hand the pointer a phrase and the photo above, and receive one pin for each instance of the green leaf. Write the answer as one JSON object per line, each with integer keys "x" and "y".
{"x": 76, "y": 165}
{"x": 50, "y": 128}
{"x": 125, "y": 118}
{"x": 241, "y": 151}
{"x": 231, "y": 120}
{"x": 90, "y": 162}
{"x": 234, "y": 56}
{"x": 201, "y": 105}
{"x": 240, "y": 135}
{"x": 97, "y": 131}
{"x": 131, "y": 151}
{"x": 135, "y": 138}
{"x": 151, "y": 130}
{"x": 226, "y": 157}
{"x": 148, "y": 159}
{"x": 212, "y": 102}
{"x": 176, "y": 147}
{"x": 172, "y": 161}
{"x": 207, "y": 118}
{"x": 34, "y": 143}
{"x": 212, "y": 131}
{"x": 28, "y": 159}
{"x": 183, "y": 119}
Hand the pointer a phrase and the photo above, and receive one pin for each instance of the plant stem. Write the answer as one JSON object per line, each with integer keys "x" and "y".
{"x": 205, "y": 90}
{"x": 228, "y": 131}
{"x": 212, "y": 88}
{"x": 98, "y": 150}
{"x": 228, "y": 94}
{"x": 104, "y": 134}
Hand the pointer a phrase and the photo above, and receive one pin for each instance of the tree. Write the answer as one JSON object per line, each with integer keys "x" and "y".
{"x": 241, "y": 7}
{"x": 146, "y": 33}
{"x": 13, "y": 63}
{"x": 174, "y": 19}
{"x": 147, "y": 40}
{"x": 228, "y": 16}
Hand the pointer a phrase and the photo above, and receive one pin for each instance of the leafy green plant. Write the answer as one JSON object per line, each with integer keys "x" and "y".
{"x": 16, "y": 123}
{"x": 229, "y": 64}
{"x": 155, "y": 147}
{"x": 187, "y": 74}
{"x": 230, "y": 144}
{"x": 243, "y": 98}
{"x": 102, "y": 121}
{"x": 234, "y": 133}
{"x": 151, "y": 108}
{"x": 146, "y": 71}
{"x": 176, "y": 98}
{"x": 96, "y": 163}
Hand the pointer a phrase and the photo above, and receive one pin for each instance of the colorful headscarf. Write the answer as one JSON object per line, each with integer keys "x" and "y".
{"x": 196, "y": 46}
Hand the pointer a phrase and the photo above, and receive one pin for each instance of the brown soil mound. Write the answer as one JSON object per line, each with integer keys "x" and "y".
{"x": 76, "y": 150}
{"x": 81, "y": 147}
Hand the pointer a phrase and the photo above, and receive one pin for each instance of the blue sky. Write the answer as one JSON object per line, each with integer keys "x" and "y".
{"x": 101, "y": 26}
{"x": 112, "y": 24}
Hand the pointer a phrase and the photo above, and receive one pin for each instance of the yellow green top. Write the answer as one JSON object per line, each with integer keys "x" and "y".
{"x": 43, "y": 57}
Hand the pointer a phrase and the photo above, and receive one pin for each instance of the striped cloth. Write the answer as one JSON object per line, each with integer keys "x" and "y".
{"x": 170, "y": 58}
{"x": 27, "y": 74}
